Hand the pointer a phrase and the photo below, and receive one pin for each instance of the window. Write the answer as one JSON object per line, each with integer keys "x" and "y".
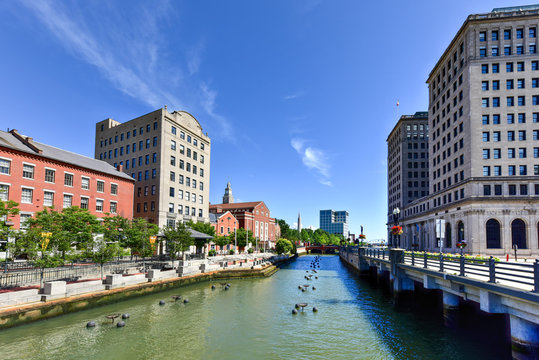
{"x": 510, "y": 101}
{"x": 507, "y": 50}
{"x": 522, "y": 153}
{"x": 510, "y": 118}
{"x": 68, "y": 179}
{"x": 146, "y": 174}
{"x": 486, "y": 136}
{"x": 49, "y": 175}
{"x": 84, "y": 203}
{"x": 523, "y": 170}
{"x": 484, "y": 68}
{"x": 482, "y": 52}
{"x": 535, "y": 100}
{"x": 509, "y": 84}
{"x": 496, "y": 119}
{"x": 496, "y": 102}
{"x": 485, "y": 102}
{"x": 496, "y": 85}
{"x": 202, "y": 159}
{"x": 182, "y": 149}
{"x": 520, "y": 33}
{"x": 182, "y": 164}
{"x": 511, "y": 136}
{"x": 495, "y": 51}
{"x": 85, "y": 183}
{"x": 521, "y": 118}
{"x": 172, "y": 145}
{"x": 153, "y": 189}
{"x": 523, "y": 189}
{"x": 532, "y": 32}
{"x": 520, "y": 49}
{"x": 495, "y": 68}
{"x": 200, "y": 199}
{"x": 521, "y": 101}
{"x": 507, "y": 34}
{"x": 5, "y": 166}
{"x": 485, "y": 120}
{"x": 154, "y": 173}
{"x": 188, "y": 138}
{"x": 99, "y": 205}
{"x": 497, "y": 170}
{"x": 113, "y": 207}
{"x": 484, "y": 85}
{"x": 520, "y": 66}
{"x": 497, "y": 189}
{"x": 147, "y": 159}
{"x": 173, "y": 160}
{"x": 100, "y": 186}
{"x": 171, "y": 208}
{"x": 201, "y": 184}
{"x": 520, "y": 84}
{"x": 486, "y": 170}
{"x": 509, "y": 67}
{"x": 48, "y": 198}
{"x": 173, "y": 130}
{"x": 180, "y": 179}
{"x": 4, "y": 192}
{"x": 27, "y": 195}
{"x": 201, "y": 172}
{"x": 68, "y": 201}
{"x": 172, "y": 176}
{"x": 532, "y": 49}
{"x": 28, "y": 171}
{"x": 182, "y": 135}
{"x": 486, "y": 154}
{"x": 511, "y": 153}
{"x": 511, "y": 170}
{"x": 522, "y": 135}
{"x": 180, "y": 194}
{"x": 535, "y": 65}
{"x": 171, "y": 192}
{"x": 496, "y": 153}
{"x": 512, "y": 189}
{"x": 495, "y": 35}
{"x": 486, "y": 190}
{"x": 114, "y": 189}
{"x": 483, "y": 36}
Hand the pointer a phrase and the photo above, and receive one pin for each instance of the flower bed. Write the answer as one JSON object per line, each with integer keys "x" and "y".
{"x": 478, "y": 259}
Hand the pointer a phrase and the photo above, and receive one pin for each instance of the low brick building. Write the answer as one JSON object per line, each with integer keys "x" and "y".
{"x": 37, "y": 175}
{"x": 254, "y": 216}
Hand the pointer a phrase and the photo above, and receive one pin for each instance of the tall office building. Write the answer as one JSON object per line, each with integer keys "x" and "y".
{"x": 407, "y": 161}
{"x": 334, "y": 222}
{"x": 483, "y": 139}
{"x": 168, "y": 155}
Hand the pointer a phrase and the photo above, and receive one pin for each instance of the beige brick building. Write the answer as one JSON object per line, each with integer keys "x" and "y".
{"x": 168, "y": 155}
{"x": 483, "y": 139}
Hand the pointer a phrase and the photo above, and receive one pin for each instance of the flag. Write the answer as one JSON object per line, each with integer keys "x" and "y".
{"x": 397, "y": 102}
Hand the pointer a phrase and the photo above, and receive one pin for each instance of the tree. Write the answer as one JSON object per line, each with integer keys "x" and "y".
{"x": 178, "y": 239}
{"x": 7, "y": 209}
{"x": 222, "y": 241}
{"x": 283, "y": 246}
{"x": 76, "y": 229}
{"x": 241, "y": 237}
{"x": 205, "y": 228}
{"x": 101, "y": 251}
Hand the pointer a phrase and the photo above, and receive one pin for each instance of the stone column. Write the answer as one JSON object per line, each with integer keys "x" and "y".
{"x": 363, "y": 265}
{"x": 451, "y": 309}
{"x": 403, "y": 287}
{"x": 524, "y": 339}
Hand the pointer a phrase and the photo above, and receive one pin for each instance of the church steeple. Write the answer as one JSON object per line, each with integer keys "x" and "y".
{"x": 299, "y": 223}
{"x": 228, "y": 198}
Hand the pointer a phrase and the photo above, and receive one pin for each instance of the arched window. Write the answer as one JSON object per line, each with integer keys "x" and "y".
{"x": 448, "y": 235}
{"x": 518, "y": 233}
{"x": 493, "y": 234}
{"x": 460, "y": 231}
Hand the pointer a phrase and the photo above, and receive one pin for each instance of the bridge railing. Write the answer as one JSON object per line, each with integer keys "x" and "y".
{"x": 380, "y": 253}
{"x": 521, "y": 275}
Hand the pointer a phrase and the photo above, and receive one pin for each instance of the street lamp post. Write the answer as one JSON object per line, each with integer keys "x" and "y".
{"x": 396, "y": 213}
{"x": 235, "y": 237}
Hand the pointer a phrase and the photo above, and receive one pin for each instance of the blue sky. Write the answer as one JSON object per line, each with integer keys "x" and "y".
{"x": 297, "y": 96}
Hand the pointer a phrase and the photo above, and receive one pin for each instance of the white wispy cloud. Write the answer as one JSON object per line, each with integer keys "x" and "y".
{"x": 293, "y": 95}
{"x": 313, "y": 158}
{"x": 131, "y": 54}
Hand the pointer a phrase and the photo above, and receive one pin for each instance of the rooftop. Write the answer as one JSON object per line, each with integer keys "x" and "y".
{"x": 16, "y": 141}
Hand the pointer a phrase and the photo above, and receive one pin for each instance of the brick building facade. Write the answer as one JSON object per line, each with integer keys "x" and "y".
{"x": 36, "y": 176}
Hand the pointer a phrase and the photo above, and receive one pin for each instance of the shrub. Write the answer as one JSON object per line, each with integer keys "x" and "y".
{"x": 212, "y": 252}
{"x": 231, "y": 252}
{"x": 250, "y": 250}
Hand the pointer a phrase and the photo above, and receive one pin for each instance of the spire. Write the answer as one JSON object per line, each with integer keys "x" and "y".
{"x": 299, "y": 222}
{"x": 228, "y": 198}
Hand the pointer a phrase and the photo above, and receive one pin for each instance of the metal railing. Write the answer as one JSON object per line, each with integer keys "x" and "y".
{"x": 379, "y": 253}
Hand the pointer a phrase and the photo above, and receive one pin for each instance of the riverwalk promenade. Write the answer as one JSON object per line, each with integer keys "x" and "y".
{"x": 508, "y": 289}
{"x": 22, "y": 305}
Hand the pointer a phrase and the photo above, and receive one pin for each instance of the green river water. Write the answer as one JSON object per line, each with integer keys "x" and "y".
{"x": 252, "y": 320}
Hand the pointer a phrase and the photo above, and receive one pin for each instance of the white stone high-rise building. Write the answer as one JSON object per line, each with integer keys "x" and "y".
{"x": 168, "y": 155}
{"x": 483, "y": 139}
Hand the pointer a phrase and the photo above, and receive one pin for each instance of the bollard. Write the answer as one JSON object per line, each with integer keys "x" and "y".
{"x": 492, "y": 270}
{"x": 425, "y": 259}
{"x": 441, "y": 262}
{"x": 462, "y": 265}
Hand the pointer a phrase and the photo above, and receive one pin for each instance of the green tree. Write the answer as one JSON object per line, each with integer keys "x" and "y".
{"x": 76, "y": 229}
{"x": 101, "y": 251}
{"x": 222, "y": 241}
{"x": 243, "y": 237}
{"x": 285, "y": 228}
{"x": 283, "y": 246}
{"x": 7, "y": 210}
{"x": 177, "y": 239}
{"x": 205, "y": 228}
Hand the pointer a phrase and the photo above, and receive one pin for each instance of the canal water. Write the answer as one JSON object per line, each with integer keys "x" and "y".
{"x": 251, "y": 320}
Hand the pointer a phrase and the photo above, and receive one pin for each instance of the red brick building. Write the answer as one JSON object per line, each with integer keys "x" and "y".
{"x": 254, "y": 216}
{"x": 37, "y": 176}
{"x": 224, "y": 224}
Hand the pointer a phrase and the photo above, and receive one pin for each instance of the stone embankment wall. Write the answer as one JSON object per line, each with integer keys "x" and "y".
{"x": 57, "y": 297}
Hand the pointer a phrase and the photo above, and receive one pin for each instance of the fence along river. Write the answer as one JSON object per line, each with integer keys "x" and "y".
{"x": 253, "y": 319}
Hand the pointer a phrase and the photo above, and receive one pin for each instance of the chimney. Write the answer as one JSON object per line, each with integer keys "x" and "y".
{"x": 120, "y": 168}
{"x": 28, "y": 141}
